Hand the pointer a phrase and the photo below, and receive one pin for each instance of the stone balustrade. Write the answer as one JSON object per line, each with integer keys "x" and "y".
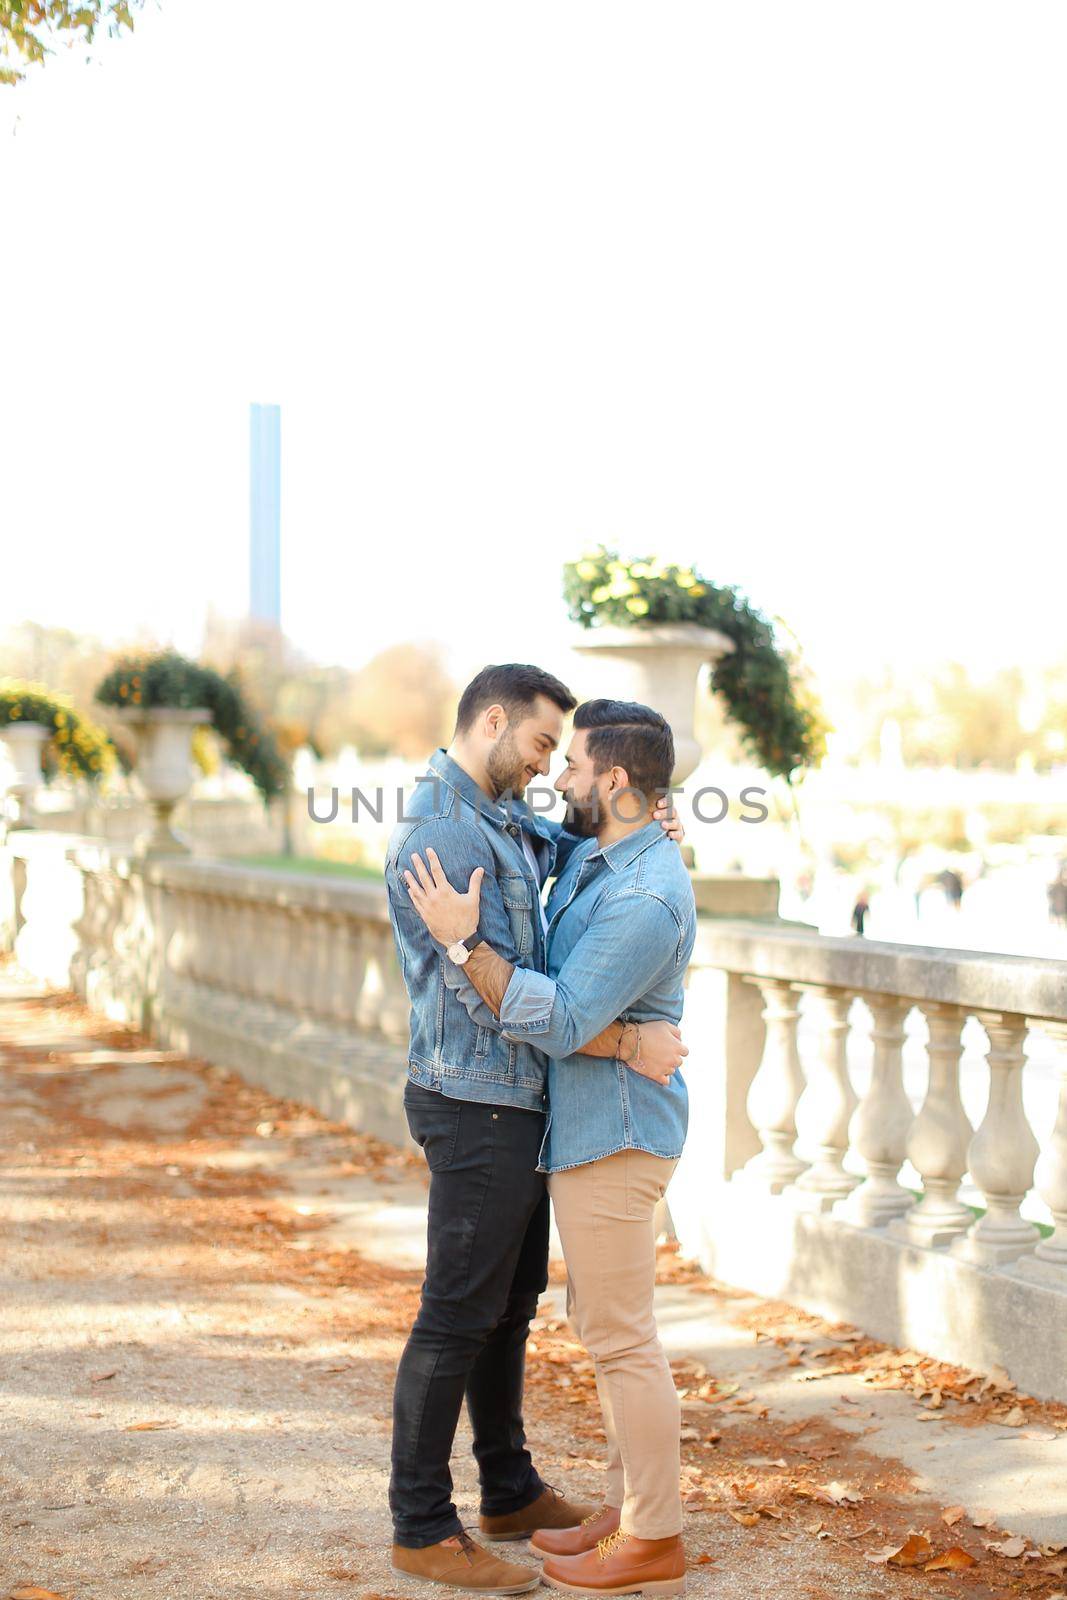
{"x": 791, "y": 1180}
{"x": 810, "y": 1173}
{"x": 289, "y": 978}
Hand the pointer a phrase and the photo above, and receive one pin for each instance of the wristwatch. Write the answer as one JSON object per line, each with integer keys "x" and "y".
{"x": 461, "y": 950}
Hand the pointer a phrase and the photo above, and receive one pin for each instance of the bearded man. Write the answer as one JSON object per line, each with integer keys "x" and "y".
{"x": 475, "y": 1103}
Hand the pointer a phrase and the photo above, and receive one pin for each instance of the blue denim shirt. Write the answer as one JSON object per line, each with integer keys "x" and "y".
{"x": 622, "y": 923}
{"x": 457, "y": 1045}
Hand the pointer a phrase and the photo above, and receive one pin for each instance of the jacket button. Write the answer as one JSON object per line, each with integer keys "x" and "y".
{"x": 496, "y": 1116}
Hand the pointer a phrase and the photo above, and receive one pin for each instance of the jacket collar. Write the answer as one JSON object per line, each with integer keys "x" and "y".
{"x": 627, "y": 849}
{"x": 515, "y": 810}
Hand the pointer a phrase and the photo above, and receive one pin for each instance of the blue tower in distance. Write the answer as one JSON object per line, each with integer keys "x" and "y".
{"x": 265, "y": 546}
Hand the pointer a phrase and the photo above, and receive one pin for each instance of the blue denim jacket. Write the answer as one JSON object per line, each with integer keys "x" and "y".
{"x": 622, "y": 923}
{"x": 457, "y": 1046}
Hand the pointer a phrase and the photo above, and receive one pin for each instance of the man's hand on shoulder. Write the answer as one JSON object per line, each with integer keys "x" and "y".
{"x": 449, "y": 915}
{"x": 668, "y": 819}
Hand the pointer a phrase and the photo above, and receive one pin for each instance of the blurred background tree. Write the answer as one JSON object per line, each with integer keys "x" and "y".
{"x": 30, "y": 30}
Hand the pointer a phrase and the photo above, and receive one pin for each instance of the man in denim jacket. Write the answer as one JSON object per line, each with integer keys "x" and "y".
{"x": 621, "y": 931}
{"x": 475, "y": 1102}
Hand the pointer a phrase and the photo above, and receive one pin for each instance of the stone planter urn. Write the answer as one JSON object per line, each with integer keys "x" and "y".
{"x": 23, "y": 743}
{"x": 657, "y": 665}
{"x": 163, "y": 771}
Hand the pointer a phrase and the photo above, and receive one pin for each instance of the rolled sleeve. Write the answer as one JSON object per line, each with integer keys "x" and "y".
{"x": 527, "y": 1003}
{"x": 632, "y": 940}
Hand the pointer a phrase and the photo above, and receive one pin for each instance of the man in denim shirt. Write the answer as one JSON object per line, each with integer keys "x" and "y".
{"x": 475, "y": 1103}
{"x": 622, "y": 923}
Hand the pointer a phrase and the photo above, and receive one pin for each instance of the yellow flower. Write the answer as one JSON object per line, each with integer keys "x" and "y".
{"x": 587, "y": 570}
{"x": 641, "y": 569}
{"x": 699, "y": 588}
{"x": 684, "y": 579}
{"x": 616, "y": 567}
{"x": 621, "y": 587}
{"x": 603, "y": 593}
{"x": 638, "y": 606}
{"x": 60, "y": 718}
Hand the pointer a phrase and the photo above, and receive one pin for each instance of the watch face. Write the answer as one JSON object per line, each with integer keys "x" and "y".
{"x": 458, "y": 953}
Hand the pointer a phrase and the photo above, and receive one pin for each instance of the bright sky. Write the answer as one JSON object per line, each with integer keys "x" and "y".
{"x": 774, "y": 288}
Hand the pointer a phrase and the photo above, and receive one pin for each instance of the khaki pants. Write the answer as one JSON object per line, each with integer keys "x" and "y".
{"x": 604, "y": 1213}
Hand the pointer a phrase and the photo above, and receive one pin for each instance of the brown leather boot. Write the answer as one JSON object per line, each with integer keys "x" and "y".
{"x": 460, "y": 1562}
{"x": 621, "y": 1564}
{"x": 549, "y": 1510}
{"x": 576, "y": 1541}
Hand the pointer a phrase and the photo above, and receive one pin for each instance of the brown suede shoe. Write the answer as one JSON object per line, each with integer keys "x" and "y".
{"x": 549, "y": 1510}
{"x": 620, "y": 1564}
{"x": 463, "y": 1564}
{"x": 576, "y": 1541}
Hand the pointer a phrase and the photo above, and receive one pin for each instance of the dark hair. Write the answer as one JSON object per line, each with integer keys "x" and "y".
{"x": 622, "y": 733}
{"x": 514, "y": 687}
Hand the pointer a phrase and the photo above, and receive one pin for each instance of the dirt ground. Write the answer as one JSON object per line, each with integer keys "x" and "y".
{"x": 195, "y": 1384}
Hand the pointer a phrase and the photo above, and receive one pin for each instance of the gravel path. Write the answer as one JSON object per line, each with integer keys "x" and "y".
{"x": 196, "y": 1360}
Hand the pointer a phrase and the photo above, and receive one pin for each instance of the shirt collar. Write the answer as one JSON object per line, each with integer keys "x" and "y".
{"x": 450, "y": 772}
{"x": 625, "y": 850}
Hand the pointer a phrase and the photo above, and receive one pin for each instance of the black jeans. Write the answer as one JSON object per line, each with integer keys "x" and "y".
{"x": 486, "y": 1267}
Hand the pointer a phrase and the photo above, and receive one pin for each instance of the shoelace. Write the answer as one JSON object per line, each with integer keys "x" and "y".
{"x": 594, "y": 1516}
{"x": 607, "y": 1547}
{"x": 466, "y": 1545}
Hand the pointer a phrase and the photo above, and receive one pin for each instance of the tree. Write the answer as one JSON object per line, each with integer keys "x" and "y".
{"x": 402, "y": 702}
{"x": 29, "y": 29}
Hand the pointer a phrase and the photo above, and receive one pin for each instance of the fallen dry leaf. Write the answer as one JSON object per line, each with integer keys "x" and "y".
{"x": 983, "y": 1519}
{"x": 952, "y": 1515}
{"x": 954, "y": 1560}
{"x": 1014, "y": 1418}
{"x": 915, "y": 1550}
{"x": 1012, "y": 1548}
{"x": 32, "y": 1591}
{"x": 838, "y": 1495}
{"x": 102, "y": 1377}
{"x": 147, "y": 1427}
{"x": 747, "y": 1519}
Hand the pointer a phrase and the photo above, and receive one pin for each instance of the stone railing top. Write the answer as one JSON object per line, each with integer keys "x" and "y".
{"x": 977, "y": 980}
{"x": 300, "y": 891}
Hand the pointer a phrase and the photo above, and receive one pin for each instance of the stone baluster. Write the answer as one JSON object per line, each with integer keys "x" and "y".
{"x": 209, "y": 962}
{"x": 257, "y": 932}
{"x": 328, "y": 964}
{"x": 939, "y": 1138}
{"x": 879, "y": 1128}
{"x": 352, "y": 968}
{"x": 1051, "y": 1173}
{"x": 336, "y": 934}
{"x": 776, "y": 1089}
{"x": 295, "y": 930}
{"x": 826, "y": 1105}
{"x": 372, "y": 994}
{"x": 281, "y": 941}
{"x": 395, "y": 1015}
{"x": 1003, "y": 1151}
{"x": 317, "y": 961}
